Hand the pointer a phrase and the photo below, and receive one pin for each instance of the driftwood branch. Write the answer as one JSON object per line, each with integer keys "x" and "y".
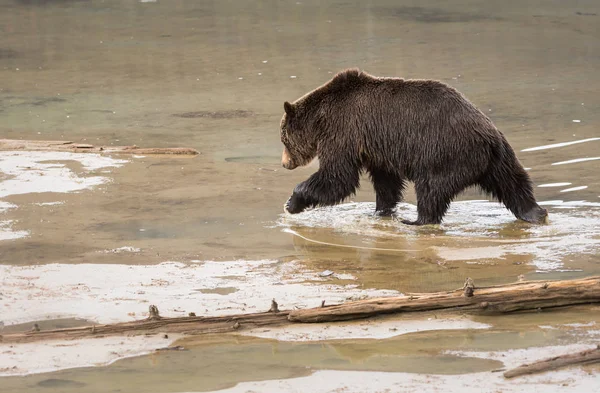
{"x": 580, "y": 358}
{"x": 26, "y": 145}
{"x": 497, "y": 299}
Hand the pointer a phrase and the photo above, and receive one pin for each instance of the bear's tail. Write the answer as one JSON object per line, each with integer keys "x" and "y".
{"x": 507, "y": 181}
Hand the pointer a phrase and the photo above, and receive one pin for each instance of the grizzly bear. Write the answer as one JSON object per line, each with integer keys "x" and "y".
{"x": 398, "y": 130}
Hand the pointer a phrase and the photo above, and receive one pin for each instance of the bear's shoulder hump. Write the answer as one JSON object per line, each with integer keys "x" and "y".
{"x": 348, "y": 75}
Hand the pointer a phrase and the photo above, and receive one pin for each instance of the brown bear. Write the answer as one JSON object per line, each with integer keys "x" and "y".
{"x": 397, "y": 130}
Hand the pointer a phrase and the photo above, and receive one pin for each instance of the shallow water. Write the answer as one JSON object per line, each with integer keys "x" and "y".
{"x": 213, "y": 76}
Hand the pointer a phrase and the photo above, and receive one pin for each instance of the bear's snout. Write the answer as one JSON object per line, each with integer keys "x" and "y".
{"x": 286, "y": 160}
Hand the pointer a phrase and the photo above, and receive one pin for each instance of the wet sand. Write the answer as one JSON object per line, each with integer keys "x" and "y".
{"x": 213, "y": 76}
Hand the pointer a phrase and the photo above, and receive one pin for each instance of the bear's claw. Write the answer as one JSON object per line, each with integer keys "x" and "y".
{"x": 385, "y": 213}
{"x": 418, "y": 222}
{"x": 537, "y": 215}
{"x": 294, "y": 205}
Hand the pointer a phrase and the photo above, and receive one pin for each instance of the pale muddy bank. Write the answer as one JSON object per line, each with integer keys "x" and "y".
{"x": 114, "y": 293}
{"x": 372, "y": 382}
{"x": 49, "y": 356}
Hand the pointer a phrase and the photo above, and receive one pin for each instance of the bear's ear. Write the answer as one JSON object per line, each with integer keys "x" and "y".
{"x": 289, "y": 108}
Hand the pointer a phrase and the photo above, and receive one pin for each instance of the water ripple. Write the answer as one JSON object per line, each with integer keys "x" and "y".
{"x": 562, "y": 144}
{"x": 476, "y": 229}
{"x": 576, "y": 160}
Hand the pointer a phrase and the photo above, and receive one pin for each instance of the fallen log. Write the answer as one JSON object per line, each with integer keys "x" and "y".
{"x": 585, "y": 357}
{"x": 154, "y": 324}
{"x": 68, "y": 146}
{"x": 522, "y": 296}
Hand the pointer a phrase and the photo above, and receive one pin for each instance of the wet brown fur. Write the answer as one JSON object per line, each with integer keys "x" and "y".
{"x": 399, "y": 130}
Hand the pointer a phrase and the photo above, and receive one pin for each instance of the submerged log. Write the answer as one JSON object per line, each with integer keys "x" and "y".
{"x": 585, "y": 357}
{"x": 499, "y": 299}
{"x": 68, "y": 146}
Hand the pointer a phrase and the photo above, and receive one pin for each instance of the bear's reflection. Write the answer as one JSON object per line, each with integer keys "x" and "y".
{"x": 428, "y": 263}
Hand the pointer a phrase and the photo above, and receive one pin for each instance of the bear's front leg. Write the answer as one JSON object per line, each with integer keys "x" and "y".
{"x": 300, "y": 200}
{"x": 323, "y": 188}
{"x": 295, "y": 204}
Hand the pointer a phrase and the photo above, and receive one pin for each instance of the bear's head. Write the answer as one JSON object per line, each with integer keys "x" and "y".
{"x": 300, "y": 146}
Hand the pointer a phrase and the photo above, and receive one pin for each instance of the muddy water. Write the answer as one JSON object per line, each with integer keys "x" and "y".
{"x": 213, "y": 76}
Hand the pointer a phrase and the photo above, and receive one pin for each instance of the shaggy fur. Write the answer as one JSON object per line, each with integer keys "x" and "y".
{"x": 400, "y": 130}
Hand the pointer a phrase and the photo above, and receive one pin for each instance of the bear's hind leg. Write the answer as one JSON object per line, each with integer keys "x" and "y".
{"x": 506, "y": 180}
{"x": 389, "y": 188}
{"x": 433, "y": 200}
